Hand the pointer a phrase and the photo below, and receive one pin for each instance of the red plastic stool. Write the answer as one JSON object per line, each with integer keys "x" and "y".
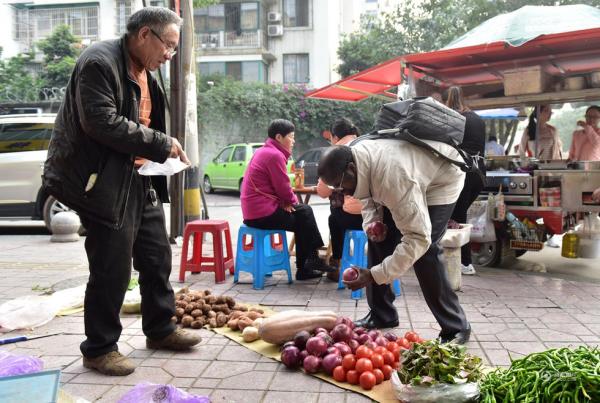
{"x": 198, "y": 263}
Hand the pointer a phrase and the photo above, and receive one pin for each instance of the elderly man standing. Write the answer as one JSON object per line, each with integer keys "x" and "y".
{"x": 412, "y": 192}
{"x": 111, "y": 120}
{"x": 585, "y": 145}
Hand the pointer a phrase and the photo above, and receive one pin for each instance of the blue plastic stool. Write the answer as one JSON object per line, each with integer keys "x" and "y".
{"x": 357, "y": 256}
{"x": 261, "y": 252}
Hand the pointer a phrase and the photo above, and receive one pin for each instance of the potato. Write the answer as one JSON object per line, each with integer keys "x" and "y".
{"x": 221, "y": 300}
{"x": 221, "y": 319}
{"x": 186, "y": 321}
{"x": 244, "y": 323}
{"x": 230, "y": 302}
{"x": 197, "y": 324}
{"x": 253, "y": 315}
{"x": 212, "y": 322}
{"x": 196, "y": 312}
{"x": 236, "y": 314}
{"x": 242, "y": 308}
{"x": 189, "y": 308}
{"x": 250, "y": 334}
{"x": 232, "y": 324}
{"x": 211, "y": 299}
{"x": 179, "y": 312}
{"x": 257, "y": 310}
{"x": 173, "y": 319}
{"x": 205, "y": 309}
{"x": 212, "y": 314}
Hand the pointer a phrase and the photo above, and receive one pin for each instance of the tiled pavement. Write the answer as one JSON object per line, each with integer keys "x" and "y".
{"x": 512, "y": 314}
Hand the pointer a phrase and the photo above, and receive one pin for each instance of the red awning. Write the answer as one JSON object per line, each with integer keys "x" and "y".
{"x": 560, "y": 54}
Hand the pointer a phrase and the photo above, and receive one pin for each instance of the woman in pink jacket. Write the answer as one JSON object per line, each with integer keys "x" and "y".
{"x": 345, "y": 210}
{"x": 268, "y": 201}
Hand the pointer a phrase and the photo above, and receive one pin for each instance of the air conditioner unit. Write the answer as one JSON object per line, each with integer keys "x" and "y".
{"x": 275, "y": 30}
{"x": 273, "y": 16}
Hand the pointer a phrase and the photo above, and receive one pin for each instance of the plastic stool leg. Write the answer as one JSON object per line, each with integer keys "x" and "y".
{"x": 396, "y": 287}
{"x": 358, "y": 294}
{"x": 219, "y": 261}
{"x": 184, "y": 251}
{"x": 258, "y": 281}
{"x": 228, "y": 247}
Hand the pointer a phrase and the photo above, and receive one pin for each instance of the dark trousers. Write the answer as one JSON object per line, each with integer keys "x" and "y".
{"x": 301, "y": 222}
{"x": 339, "y": 222}
{"x": 473, "y": 186}
{"x": 431, "y": 272}
{"x": 142, "y": 237}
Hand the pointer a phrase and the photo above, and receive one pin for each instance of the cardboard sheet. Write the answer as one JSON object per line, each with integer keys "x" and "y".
{"x": 381, "y": 393}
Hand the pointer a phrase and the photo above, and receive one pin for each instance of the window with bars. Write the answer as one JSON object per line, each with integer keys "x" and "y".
{"x": 295, "y": 68}
{"x": 230, "y": 17}
{"x": 122, "y": 13}
{"x": 35, "y": 24}
{"x": 295, "y": 13}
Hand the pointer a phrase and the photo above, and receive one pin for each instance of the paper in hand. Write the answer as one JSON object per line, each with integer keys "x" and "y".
{"x": 170, "y": 167}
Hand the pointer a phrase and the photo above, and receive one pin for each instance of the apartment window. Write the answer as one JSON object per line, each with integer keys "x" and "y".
{"x": 295, "y": 68}
{"x": 123, "y": 12}
{"x": 250, "y": 71}
{"x": 234, "y": 70}
{"x": 295, "y": 13}
{"x": 35, "y": 24}
{"x": 229, "y": 17}
{"x": 158, "y": 3}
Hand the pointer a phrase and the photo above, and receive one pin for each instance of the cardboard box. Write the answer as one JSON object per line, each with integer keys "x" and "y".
{"x": 526, "y": 80}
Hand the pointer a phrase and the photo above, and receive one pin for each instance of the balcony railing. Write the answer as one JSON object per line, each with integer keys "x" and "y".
{"x": 230, "y": 40}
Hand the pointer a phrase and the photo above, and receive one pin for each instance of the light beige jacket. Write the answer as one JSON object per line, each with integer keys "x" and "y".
{"x": 406, "y": 179}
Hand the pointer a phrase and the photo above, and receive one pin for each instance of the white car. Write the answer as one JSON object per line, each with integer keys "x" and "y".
{"x": 24, "y": 143}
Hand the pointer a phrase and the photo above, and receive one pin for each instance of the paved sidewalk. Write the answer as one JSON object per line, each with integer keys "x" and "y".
{"x": 512, "y": 314}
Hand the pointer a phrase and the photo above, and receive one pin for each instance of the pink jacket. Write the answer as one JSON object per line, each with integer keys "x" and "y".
{"x": 266, "y": 185}
{"x": 585, "y": 145}
{"x": 351, "y": 205}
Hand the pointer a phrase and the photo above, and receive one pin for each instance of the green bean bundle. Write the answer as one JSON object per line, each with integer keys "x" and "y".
{"x": 556, "y": 375}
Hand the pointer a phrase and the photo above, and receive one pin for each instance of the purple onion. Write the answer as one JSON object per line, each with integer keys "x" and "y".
{"x": 363, "y": 338}
{"x": 290, "y": 357}
{"x": 330, "y": 362}
{"x": 311, "y": 364}
{"x": 316, "y": 346}
{"x": 301, "y": 338}
{"x": 390, "y": 336}
{"x": 343, "y": 348}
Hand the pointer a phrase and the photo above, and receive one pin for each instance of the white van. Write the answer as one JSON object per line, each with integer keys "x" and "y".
{"x": 24, "y": 140}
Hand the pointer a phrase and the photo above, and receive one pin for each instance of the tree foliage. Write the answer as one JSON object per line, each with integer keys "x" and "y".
{"x": 17, "y": 84}
{"x": 420, "y": 26}
{"x": 254, "y": 105}
{"x": 60, "y": 53}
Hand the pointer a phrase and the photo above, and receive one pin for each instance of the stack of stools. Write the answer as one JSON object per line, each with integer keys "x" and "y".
{"x": 216, "y": 263}
{"x": 354, "y": 254}
{"x": 261, "y": 252}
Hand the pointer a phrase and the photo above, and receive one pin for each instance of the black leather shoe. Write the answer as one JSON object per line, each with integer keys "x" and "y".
{"x": 461, "y": 337}
{"x": 317, "y": 264}
{"x": 369, "y": 322}
{"x": 308, "y": 274}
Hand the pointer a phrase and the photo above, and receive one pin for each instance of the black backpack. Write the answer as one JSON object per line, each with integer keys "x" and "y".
{"x": 418, "y": 119}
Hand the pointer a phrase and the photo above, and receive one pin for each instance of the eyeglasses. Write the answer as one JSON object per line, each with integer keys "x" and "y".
{"x": 170, "y": 49}
{"x": 592, "y": 117}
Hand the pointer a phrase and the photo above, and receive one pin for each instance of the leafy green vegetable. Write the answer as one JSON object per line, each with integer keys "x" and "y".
{"x": 432, "y": 362}
{"x": 557, "y": 375}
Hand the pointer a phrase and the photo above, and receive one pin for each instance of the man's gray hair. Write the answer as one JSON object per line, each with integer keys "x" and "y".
{"x": 156, "y": 18}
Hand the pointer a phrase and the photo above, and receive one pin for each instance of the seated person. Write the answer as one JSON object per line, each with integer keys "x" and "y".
{"x": 493, "y": 148}
{"x": 345, "y": 209}
{"x": 585, "y": 145}
{"x": 268, "y": 201}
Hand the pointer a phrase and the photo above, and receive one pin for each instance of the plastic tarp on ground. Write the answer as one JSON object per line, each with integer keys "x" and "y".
{"x": 564, "y": 51}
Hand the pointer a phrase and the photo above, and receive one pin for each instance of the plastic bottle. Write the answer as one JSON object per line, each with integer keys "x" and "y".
{"x": 491, "y": 206}
{"x": 570, "y": 245}
{"x": 500, "y": 207}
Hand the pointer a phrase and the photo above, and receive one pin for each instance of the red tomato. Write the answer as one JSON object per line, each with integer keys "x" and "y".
{"x": 349, "y": 362}
{"x": 380, "y": 350}
{"x": 404, "y": 343}
{"x": 397, "y": 353}
{"x": 411, "y": 336}
{"x": 378, "y": 375}
{"x": 377, "y": 360}
{"x": 363, "y": 352}
{"x": 388, "y": 358}
{"x": 392, "y": 345}
{"x": 352, "y": 377}
{"x": 367, "y": 380}
{"x": 397, "y": 365}
{"x": 339, "y": 374}
{"x": 387, "y": 372}
{"x": 364, "y": 365}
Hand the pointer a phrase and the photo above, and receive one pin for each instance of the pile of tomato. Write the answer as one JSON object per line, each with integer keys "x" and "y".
{"x": 368, "y": 367}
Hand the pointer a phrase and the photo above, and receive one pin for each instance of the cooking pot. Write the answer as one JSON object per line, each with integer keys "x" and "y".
{"x": 552, "y": 164}
{"x": 585, "y": 165}
{"x": 497, "y": 163}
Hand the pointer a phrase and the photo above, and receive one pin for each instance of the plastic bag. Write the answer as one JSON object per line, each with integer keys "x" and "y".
{"x": 483, "y": 227}
{"x": 11, "y": 364}
{"x": 147, "y": 392}
{"x": 443, "y": 392}
{"x": 170, "y": 167}
{"x": 36, "y": 310}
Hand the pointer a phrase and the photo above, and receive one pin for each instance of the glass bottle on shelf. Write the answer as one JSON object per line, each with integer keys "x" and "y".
{"x": 570, "y": 244}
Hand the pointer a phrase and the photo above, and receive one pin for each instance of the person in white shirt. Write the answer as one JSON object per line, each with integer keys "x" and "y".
{"x": 492, "y": 148}
{"x": 412, "y": 192}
